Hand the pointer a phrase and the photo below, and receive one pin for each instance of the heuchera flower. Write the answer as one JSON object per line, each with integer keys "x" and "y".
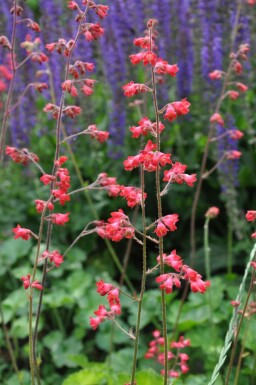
{"x": 235, "y": 134}
{"x": 233, "y": 154}
{"x": 133, "y": 195}
{"x": 59, "y": 219}
{"x": 212, "y": 212}
{"x": 162, "y": 67}
{"x": 150, "y": 159}
{"x": 176, "y": 109}
{"x": 92, "y": 31}
{"x": 21, "y": 232}
{"x": 176, "y": 174}
{"x": 233, "y": 94}
{"x": 173, "y": 260}
{"x": 167, "y": 281}
{"x": 21, "y": 156}
{"x": 27, "y": 283}
{"x": 131, "y": 88}
{"x": 242, "y": 87}
{"x": 40, "y": 205}
{"x": 215, "y": 75}
{"x": 117, "y": 227}
{"x": 194, "y": 279}
{"x": 101, "y": 136}
{"x": 109, "y": 184}
{"x": 54, "y": 257}
{"x": 251, "y": 215}
{"x": 217, "y": 118}
{"x": 145, "y": 126}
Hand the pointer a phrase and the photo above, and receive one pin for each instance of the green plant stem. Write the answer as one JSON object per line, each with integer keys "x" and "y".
{"x": 239, "y": 363}
{"x": 239, "y": 328}
{"x": 207, "y": 249}
{"x": 233, "y": 322}
{"x": 12, "y": 82}
{"x": 209, "y": 137}
{"x": 160, "y": 214}
{"x": 143, "y": 278}
{"x": 230, "y": 247}
{"x": 9, "y": 346}
{"x": 33, "y": 336}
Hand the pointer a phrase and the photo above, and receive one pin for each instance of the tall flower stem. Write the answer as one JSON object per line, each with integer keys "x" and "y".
{"x": 160, "y": 214}
{"x": 12, "y": 82}
{"x": 209, "y": 138}
{"x": 33, "y": 336}
{"x": 239, "y": 328}
{"x": 143, "y": 278}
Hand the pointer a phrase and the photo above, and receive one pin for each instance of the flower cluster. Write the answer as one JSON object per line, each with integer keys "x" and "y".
{"x": 102, "y": 314}
{"x": 165, "y": 224}
{"x": 168, "y": 280}
{"x": 149, "y": 158}
{"x": 177, "y": 360}
{"x": 116, "y": 228}
{"x": 22, "y": 156}
{"x": 27, "y": 283}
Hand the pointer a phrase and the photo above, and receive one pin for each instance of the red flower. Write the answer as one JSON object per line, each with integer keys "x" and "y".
{"x": 242, "y": 87}
{"x": 233, "y": 94}
{"x": 47, "y": 179}
{"x": 131, "y": 89}
{"x": 217, "y": 118}
{"x": 212, "y": 212}
{"x": 103, "y": 288}
{"x": 21, "y": 232}
{"x": 59, "y": 219}
{"x": 215, "y": 75}
{"x": 176, "y": 109}
{"x": 162, "y": 67}
{"x": 170, "y": 221}
{"x": 233, "y": 154}
{"x": 26, "y": 281}
{"x": 40, "y": 205}
{"x": 251, "y": 215}
{"x": 235, "y": 134}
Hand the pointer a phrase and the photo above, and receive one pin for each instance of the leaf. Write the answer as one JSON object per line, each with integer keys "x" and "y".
{"x": 94, "y": 374}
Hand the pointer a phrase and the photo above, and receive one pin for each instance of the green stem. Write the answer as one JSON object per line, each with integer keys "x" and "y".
{"x": 230, "y": 247}
{"x": 9, "y": 346}
{"x": 239, "y": 328}
{"x": 207, "y": 249}
{"x": 232, "y": 323}
{"x": 143, "y": 278}
{"x": 239, "y": 363}
{"x": 160, "y": 214}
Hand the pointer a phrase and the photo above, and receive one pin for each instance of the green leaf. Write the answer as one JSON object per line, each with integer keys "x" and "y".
{"x": 94, "y": 374}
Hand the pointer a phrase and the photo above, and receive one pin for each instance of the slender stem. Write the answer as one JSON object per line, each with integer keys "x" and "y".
{"x": 9, "y": 346}
{"x": 124, "y": 331}
{"x": 230, "y": 247}
{"x": 12, "y": 82}
{"x": 239, "y": 363}
{"x": 24, "y": 61}
{"x": 208, "y": 173}
{"x": 160, "y": 214}
{"x": 19, "y": 98}
{"x": 207, "y": 249}
{"x": 210, "y": 135}
{"x": 239, "y": 328}
{"x": 143, "y": 278}
{"x": 49, "y": 229}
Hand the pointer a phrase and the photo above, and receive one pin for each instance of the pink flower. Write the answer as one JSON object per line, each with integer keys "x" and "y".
{"x": 251, "y": 215}
{"x": 161, "y": 229}
{"x": 215, "y": 75}
{"x": 242, "y": 87}
{"x": 217, "y": 118}
{"x": 167, "y": 281}
{"x": 21, "y": 232}
{"x": 37, "y": 285}
{"x": 233, "y": 94}
{"x": 173, "y": 260}
{"x": 133, "y": 195}
{"x": 26, "y": 281}
{"x": 235, "y": 134}
{"x": 235, "y": 303}
{"x": 56, "y": 258}
{"x": 176, "y": 109}
{"x": 170, "y": 221}
{"x": 59, "y": 219}
{"x": 131, "y": 89}
{"x": 95, "y": 322}
{"x": 162, "y": 67}
{"x": 103, "y": 288}
{"x": 47, "y": 179}
{"x": 40, "y": 205}
{"x": 212, "y": 212}
{"x": 233, "y": 154}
